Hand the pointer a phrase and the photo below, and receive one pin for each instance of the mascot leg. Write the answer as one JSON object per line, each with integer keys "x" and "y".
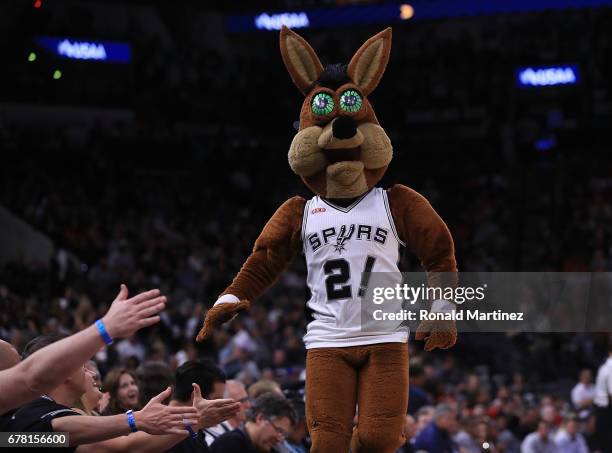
{"x": 331, "y": 395}
{"x": 382, "y": 399}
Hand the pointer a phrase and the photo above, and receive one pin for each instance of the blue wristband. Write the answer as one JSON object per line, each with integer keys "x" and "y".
{"x": 191, "y": 432}
{"x": 102, "y": 329}
{"x": 131, "y": 420}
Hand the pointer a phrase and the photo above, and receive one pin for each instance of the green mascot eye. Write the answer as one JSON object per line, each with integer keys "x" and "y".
{"x": 351, "y": 101}
{"x": 322, "y": 104}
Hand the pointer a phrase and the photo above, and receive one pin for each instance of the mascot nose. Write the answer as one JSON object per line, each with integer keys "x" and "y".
{"x": 344, "y": 127}
{"x": 341, "y": 133}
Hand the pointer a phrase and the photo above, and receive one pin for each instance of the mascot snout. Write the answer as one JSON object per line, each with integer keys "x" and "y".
{"x": 341, "y": 133}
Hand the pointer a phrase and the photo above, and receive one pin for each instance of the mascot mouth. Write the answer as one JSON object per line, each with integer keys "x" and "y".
{"x": 334, "y": 156}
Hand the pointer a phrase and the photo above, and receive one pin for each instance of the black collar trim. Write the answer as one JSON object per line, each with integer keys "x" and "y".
{"x": 349, "y": 207}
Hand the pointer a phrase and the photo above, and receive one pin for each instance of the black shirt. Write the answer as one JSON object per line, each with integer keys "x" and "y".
{"x": 36, "y": 416}
{"x": 5, "y": 421}
{"x": 192, "y": 445}
{"x": 236, "y": 441}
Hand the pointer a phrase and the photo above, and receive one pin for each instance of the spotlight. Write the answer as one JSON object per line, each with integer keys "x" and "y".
{"x": 406, "y": 12}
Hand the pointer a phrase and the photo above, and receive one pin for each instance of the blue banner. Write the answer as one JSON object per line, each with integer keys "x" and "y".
{"x": 546, "y": 76}
{"x": 388, "y": 14}
{"x": 81, "y": 49}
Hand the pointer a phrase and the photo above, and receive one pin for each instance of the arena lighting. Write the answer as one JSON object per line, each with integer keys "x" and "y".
{"x": 37, "y": 4}
{"x": 393, "y": 13}
{"x": 78, "y": 49}
{"x": 544, "y": 76}
{"x": 546, "y": 143}
{"x": 57, "y": 74}
{"x": 32, "y": 57}
{"x": 406, "y": 12}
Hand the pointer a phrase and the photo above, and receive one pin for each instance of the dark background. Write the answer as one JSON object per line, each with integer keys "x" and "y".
{"x": 161, "y": 173}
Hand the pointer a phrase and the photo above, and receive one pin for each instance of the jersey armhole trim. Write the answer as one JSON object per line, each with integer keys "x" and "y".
{"x": 304, "y": 222}
{"x": 388, "y": 209}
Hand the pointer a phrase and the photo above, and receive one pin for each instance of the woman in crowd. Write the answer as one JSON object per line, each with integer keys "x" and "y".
{"x": 89, "y": 404}
{"x": 122, "y": 386}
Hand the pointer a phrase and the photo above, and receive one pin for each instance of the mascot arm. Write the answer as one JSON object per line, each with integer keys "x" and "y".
{"x": 426, "y": 234}
{"x": 274, "y": 249}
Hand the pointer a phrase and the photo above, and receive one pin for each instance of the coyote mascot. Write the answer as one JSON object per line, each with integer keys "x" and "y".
{"x": 348, "y": 227}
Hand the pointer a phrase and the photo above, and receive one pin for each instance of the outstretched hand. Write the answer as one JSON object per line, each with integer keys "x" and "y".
{"x": 437, "y": 334}
{"x": 157, "y": 418}
{"x": 126, "y": 316}
{"x": 220, "y": 314}
{"x": 212, "y": 412}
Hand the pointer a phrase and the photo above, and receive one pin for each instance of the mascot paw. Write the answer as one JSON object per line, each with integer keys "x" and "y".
{"x": 220, "y": 314}
{"x": 437, "y": 334}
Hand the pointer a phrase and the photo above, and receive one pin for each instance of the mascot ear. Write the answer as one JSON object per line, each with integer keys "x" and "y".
{"x": 300, "y": 59}
{"x": 369, "y": 62}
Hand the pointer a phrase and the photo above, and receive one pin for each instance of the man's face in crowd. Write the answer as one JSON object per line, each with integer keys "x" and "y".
{"x": 80, "y": 381}
{"x": 127, "y": 393}
{"x": 571, "y": 427}
{"x": 423, "y": 421}
{"x": 447, "y": 421}
{"x": 270, "y": 432}
{"x": 95, "y": 375}
{"x": 548, "y": 413}
{"x": 410, "y": 427}
{"x": 218, "y": 391}
{"x": 93, "y": 394}
{"x": 543, "y": 429}
{"x": 240, "y": 394}
{"x": 586, "y": 377}
{"x": 481, "y": 431}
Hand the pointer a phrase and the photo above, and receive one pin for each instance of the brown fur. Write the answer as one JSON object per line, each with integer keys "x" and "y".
{"x": 346, "y": 180}
{"x": 426, "y": 234}
{"x": 220, "y": 314}
{"x": 301, "y": 60}
{"x": 373, "y": 376}
{"x": 327, "y": 140}
{"x": 274, "y": 248}
{"x": 417, "y": 223}
{"x": 437, "y": 334}
{"x": 368, "y": 65}
{"x": 306, "y": 155}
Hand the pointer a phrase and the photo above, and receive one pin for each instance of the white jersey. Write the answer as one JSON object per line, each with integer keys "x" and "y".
{"x": 340, "y": 244}
{"x": 603, "y": 384}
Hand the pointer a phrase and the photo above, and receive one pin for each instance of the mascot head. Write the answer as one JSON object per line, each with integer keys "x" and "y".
{"x": 340, "y": 150}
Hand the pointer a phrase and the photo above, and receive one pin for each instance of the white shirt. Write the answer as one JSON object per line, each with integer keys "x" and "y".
{"x": 215, "y": 431}
{"x": 603, "y": 384}
{"x": 565, "y": 444}
{"x": 127, "y": 349}
{"x": 582, "y": 392}
{"x": 533, "y": 443}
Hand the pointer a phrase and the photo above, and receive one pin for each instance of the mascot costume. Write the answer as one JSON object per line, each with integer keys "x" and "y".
{"x": 348, "y": 227}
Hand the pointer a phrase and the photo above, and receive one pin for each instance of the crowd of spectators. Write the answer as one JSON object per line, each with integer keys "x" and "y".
{"x": 175, "y": 199}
